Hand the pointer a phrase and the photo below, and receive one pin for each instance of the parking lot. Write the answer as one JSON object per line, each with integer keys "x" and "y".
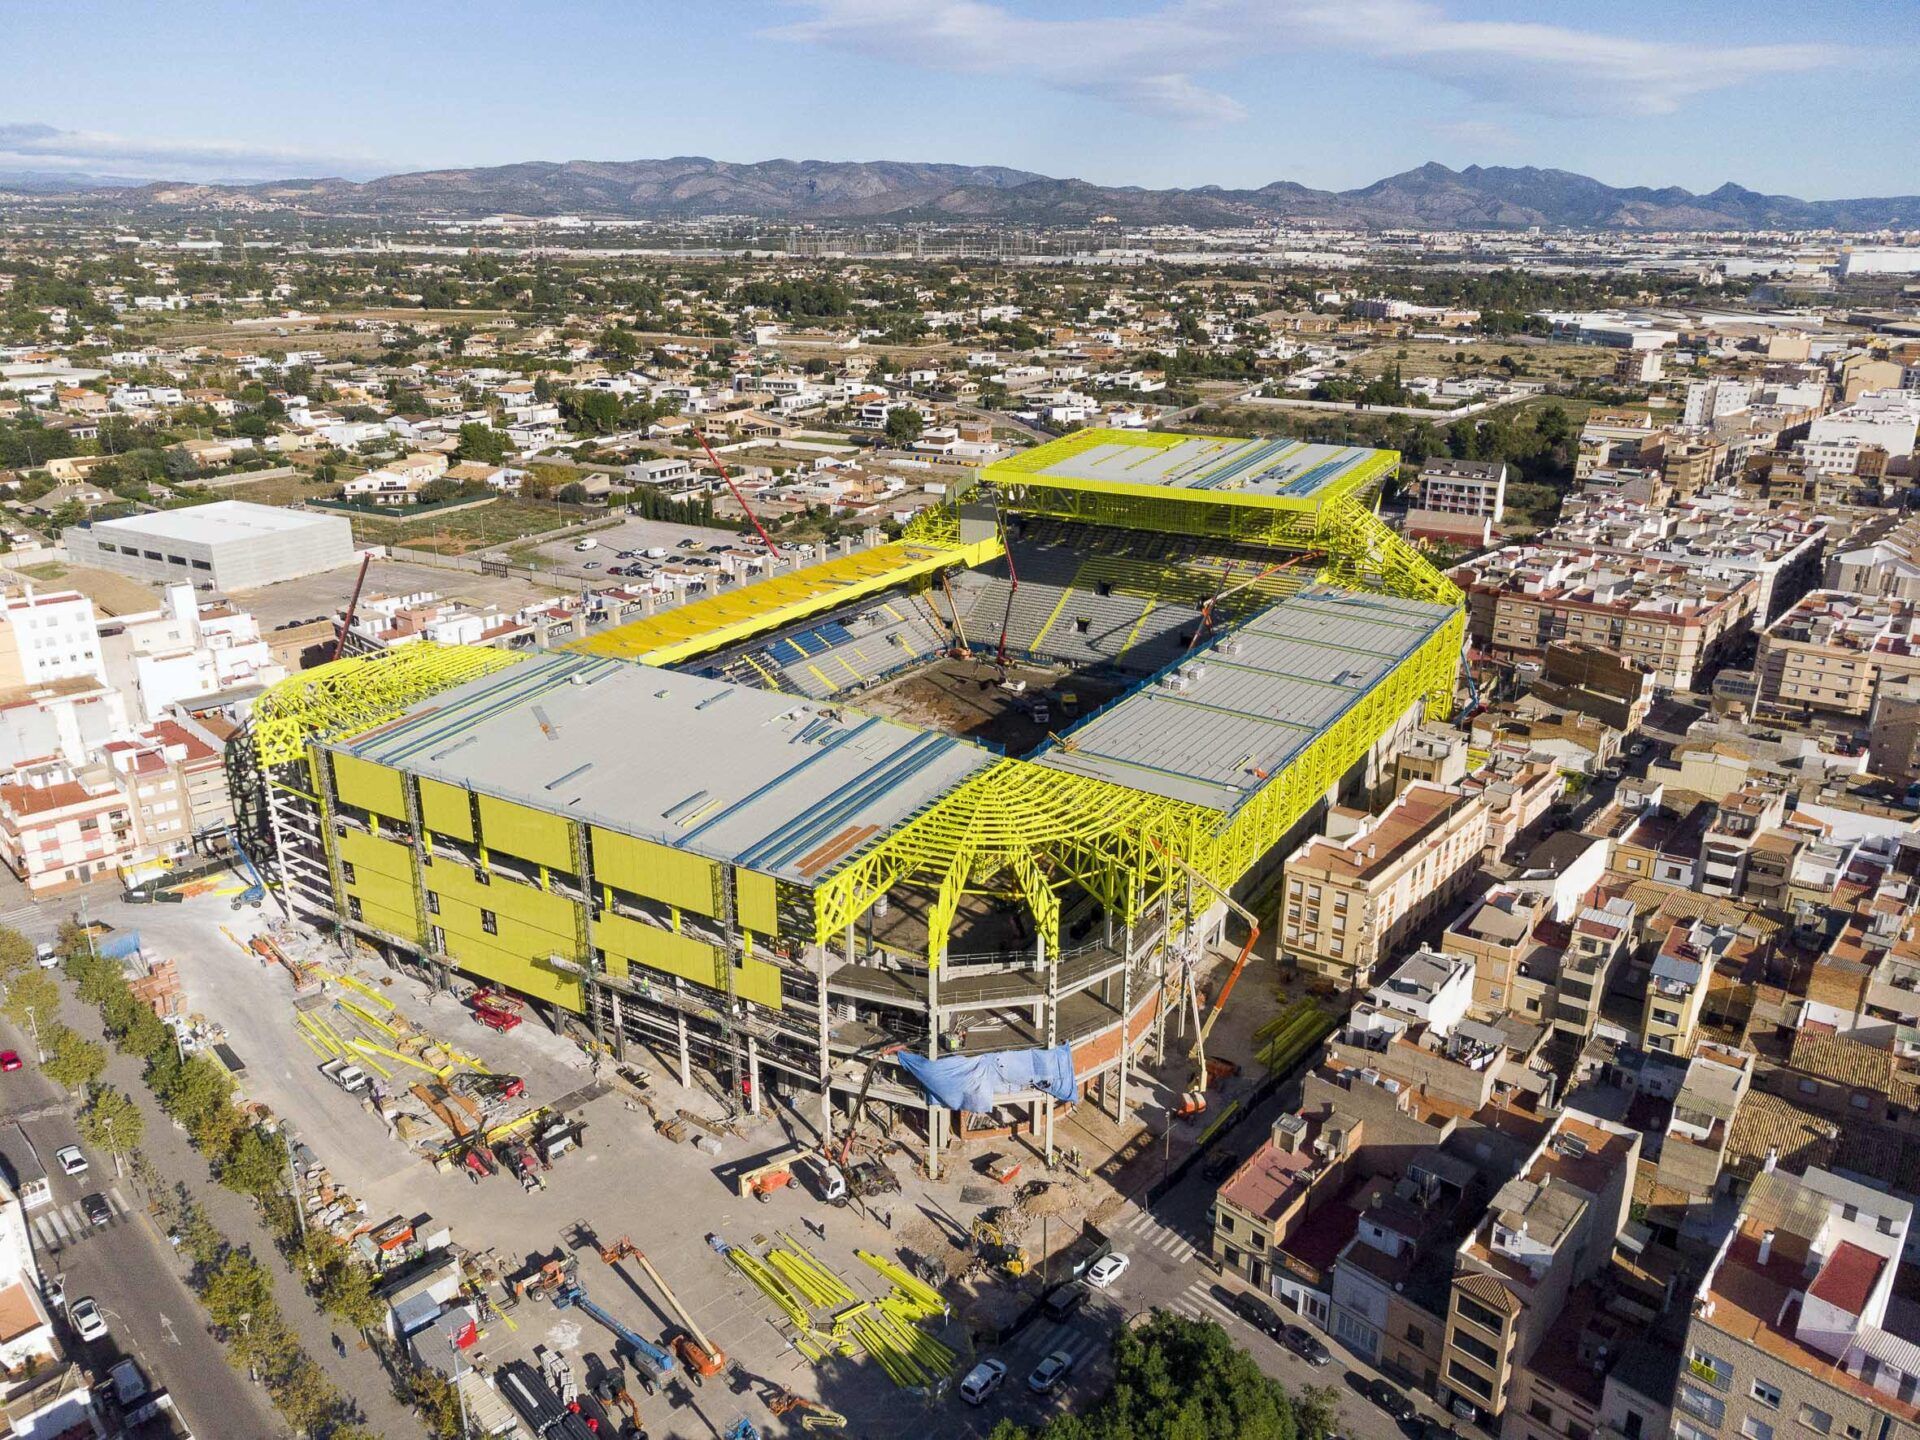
{"x": 561, "y": 558}
{"x": 311, "y": 597}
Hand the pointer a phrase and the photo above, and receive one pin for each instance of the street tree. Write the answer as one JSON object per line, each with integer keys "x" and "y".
{"x": 73, "y": 1061}
{"x": 904, "y": 424}
{"x": 112, "y": 1122}
{"x": 32, "y": 999}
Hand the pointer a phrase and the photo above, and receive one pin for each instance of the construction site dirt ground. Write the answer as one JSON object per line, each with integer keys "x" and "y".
{"x": 627, "y": 1180}
{"x": 976, "y": 699}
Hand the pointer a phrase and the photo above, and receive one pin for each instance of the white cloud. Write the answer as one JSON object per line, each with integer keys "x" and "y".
{"x": 1148, "y": 61}
{"x": 32, "y": 146}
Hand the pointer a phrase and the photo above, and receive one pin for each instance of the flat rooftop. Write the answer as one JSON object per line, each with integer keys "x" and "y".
{"x": 1204, "y": 467}
{"x": 1252, "y": 700}
{"x": 700, "y": 626}
{"x": 223, "y": 520}
{"x": 775, "y": 783}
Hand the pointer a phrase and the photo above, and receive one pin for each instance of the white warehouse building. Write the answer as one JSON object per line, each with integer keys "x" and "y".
{"x": 228, "y": 545}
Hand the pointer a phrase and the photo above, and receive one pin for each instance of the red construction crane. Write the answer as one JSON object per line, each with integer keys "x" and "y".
{"x": 754, "y": 520}
{"x": 340, "y": 645}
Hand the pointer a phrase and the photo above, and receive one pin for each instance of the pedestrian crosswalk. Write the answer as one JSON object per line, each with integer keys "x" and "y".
{"x": 1047, "y": 1336}
{"x": 60, "y": 1226}
{"x": 1141, "y": 1229}
{"x": 1198, "y": 1302}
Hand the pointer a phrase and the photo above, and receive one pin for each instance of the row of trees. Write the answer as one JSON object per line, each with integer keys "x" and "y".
{"x": 235, "y": 1286}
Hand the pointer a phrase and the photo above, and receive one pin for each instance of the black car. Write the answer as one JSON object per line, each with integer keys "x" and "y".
{"x": 1259, "y": 1314}
{"x": 1308, "y": 1347}
{"x": 1063, "y": 1300}
{"x": 1391, "y": 1400}
{"x": 1218, "y": 1167}
{"x": 96, "y": 1209}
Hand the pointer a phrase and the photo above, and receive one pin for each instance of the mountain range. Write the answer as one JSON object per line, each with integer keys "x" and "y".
{"x": 691, "y": 187}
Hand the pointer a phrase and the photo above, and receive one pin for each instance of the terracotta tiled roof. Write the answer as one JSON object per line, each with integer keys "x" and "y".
{"x": 1842, "y": 1061}
{"x": 1489, "y": 1292}
{"x": 1766, "y": 1122}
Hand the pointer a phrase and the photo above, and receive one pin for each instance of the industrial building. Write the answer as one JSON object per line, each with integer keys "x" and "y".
{"x": 228, "y": 545}
{"x": 704, "y": 831}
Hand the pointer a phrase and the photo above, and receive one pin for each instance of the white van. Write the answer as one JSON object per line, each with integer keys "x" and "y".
{"x": 587, "y": 544}
{"x": 982, "y": 1381}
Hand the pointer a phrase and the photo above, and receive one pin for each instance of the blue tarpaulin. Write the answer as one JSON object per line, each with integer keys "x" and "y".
{"x": 123, "y": 946}
{"x": 977, "y": 1082}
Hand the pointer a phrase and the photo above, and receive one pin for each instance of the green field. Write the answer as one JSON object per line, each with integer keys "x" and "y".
{"x": 284, "y": 490}
{"x": 1482, "y": 357}
{"x": 482, "y": 527}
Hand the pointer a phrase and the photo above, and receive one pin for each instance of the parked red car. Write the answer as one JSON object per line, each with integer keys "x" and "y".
{"x": 10, "y": 1060}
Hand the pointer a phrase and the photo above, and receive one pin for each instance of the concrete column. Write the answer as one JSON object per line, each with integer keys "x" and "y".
{"x": 826, "y": 1055}
{"x": 935, "y": 1115}
{"x": 1126, "y": 1012}
{"x": 686, "y": 1055}
{"x": 753, "y": 1073}
{"x": 619, "y": 1024}
{"x": 1053, "y": 1022}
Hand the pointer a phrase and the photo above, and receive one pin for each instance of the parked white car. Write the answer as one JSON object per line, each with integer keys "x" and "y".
{"x": 88, "y": 1322}
{"x": 1106, "y": 1270}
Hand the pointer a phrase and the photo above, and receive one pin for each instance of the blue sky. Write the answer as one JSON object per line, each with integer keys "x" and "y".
{"x": 1817, "y": 100}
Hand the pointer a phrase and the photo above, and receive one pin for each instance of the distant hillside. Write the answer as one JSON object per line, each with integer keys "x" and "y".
{"x": 1478, "y": 197}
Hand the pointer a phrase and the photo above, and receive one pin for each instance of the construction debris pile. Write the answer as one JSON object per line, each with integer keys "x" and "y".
{"x": 327, "y": 1203}
{"x": 828, "y": 1318}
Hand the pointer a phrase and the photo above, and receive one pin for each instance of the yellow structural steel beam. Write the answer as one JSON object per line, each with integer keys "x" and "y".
{"x": 345, "y": 697}
{"x": 712, "y": 624}
{"x": 1028, "y": 830}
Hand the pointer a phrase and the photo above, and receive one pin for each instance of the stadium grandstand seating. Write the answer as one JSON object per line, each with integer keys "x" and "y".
{"x": 1127, "y": 602}
{"x": 829, "y": 656}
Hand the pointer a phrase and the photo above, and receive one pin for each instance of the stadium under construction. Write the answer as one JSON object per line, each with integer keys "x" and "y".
{"x": 726, "y": 833}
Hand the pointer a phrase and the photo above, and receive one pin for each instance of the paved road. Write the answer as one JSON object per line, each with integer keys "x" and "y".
{"x": 1165, "y": 1245}
{"x": 129, "y": 1267}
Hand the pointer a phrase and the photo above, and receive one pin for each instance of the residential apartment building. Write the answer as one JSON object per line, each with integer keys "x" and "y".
{"x": 1465, "y": 487}
{"x": 1794, "y": 1328}
{"x": 1548, "y": 1230}
{"x": 185, "y": 651}
{"x": 47, "y": 635}
{"x": 1349, "y": 905}
{"x": 1830, "y": 653}
{"x": 1883, "y": 562}
{"x": 1681, "y": 975}
{"x": 174, "y": 782}
{"x": 61, "y": 825}
{"x": 1738, "y": 823}
{"x": 70, "y": 718}
{"x": 1668, "y": 618}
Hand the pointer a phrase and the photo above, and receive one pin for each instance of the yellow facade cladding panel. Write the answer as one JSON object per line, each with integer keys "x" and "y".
{"x": 755, "y": 901}
{"x": 553, "y": 914}
{"x": 400, "y": 924}
{"x": 482, "y": 955}
{"x": 370, "y": 853}
{"x": 369, "y": 786}
{"x": 759, "y": 982}
{"x": 446, "y": 808}
{"x": 659, "y": 872}
{"x": 657, "y": 949}
{"x": 535, "y": 835}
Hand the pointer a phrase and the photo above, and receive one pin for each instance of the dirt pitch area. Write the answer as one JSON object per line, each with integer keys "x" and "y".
{"x": 977, "y": 700}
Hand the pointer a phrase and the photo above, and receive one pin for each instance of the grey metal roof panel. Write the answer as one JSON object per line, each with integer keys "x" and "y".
{"x": 760, "y": 779}
{"x": 1252, "y": 700}
{"x": 1296, "y": 468}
